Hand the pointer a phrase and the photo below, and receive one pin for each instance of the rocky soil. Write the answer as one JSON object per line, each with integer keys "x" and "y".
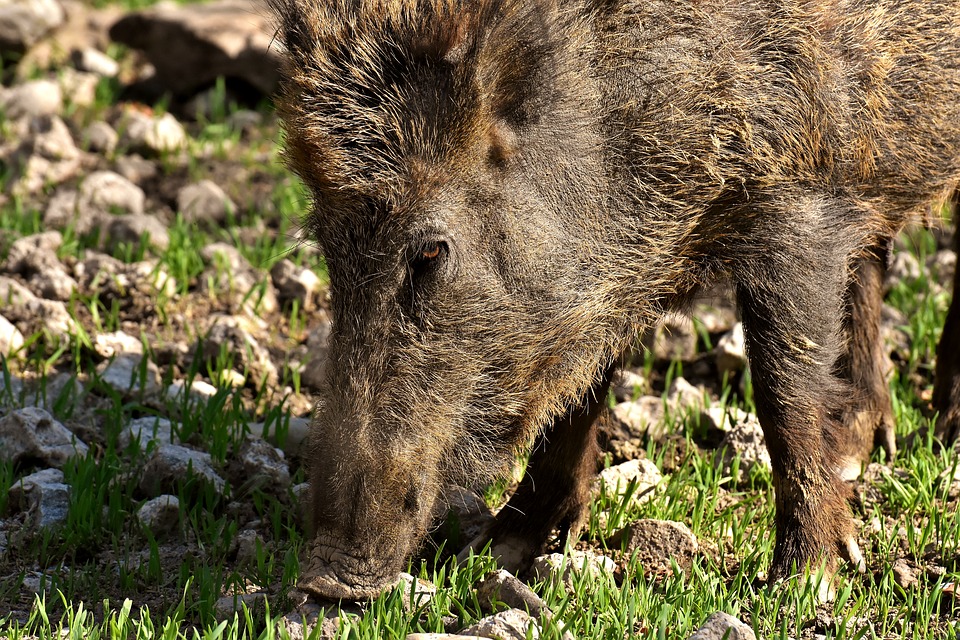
{"x": 125, "y": 343}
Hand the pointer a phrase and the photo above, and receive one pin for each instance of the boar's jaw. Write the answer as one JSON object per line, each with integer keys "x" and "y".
{"x": 335, "y": 572}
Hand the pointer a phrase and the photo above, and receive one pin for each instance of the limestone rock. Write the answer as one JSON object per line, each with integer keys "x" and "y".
{"x": 33, "y": 434}
{"x": 44, "y": 496}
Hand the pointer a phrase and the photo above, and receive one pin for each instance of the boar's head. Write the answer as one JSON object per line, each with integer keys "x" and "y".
{"x": 453, "y": 163}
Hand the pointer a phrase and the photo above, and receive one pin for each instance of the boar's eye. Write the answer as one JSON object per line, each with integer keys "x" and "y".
{"x": 429, "y": 253}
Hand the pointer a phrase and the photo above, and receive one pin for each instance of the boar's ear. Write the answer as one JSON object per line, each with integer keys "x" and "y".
{"x": 518, "y": 58}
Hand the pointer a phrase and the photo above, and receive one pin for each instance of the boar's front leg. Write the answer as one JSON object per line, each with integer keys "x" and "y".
{"x": 790, "y": 293}
{"x": 869, "y": 416}
{"x": 555, "y": 491}
{"x": 946, "y": 391}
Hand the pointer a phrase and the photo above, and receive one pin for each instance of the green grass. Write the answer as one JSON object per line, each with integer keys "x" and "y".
{"x": 173, "y": 583}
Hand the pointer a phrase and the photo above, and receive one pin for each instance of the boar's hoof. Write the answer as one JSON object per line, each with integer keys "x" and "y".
{"x": 339, "y": 575}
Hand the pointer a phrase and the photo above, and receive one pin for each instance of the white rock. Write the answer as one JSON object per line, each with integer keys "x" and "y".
{"x": 557, "y": 566}
{"x": 145, "y": 431}
{"x": 128, "y": 373}
{"x": 10, "y": 337}
{"x": 160, "y": 515}
{"x": 746, "y": 440}
{"x": 33, "y": 434}
{"x": 731, "y": 354}
{"x": 44, "y": 496}
{"x": 512, "y": 624}
{"x": 100, "y": 137}
{"x": 643, "y": 473}
{"x": 95, "y": 61}
{"x": 31, "y": 99}
{"x": 723, "y": 626}
{"x": 113, "y": 344}
{"x": 205, "y": 202}
{"x": 170, "y": 466}
{"x": 104, "y": 192}
{"x": 630, "y": 385}
{"x": 24, "y": 22}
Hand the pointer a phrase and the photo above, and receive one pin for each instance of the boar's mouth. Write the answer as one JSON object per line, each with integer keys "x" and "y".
{"x": 335, "y": 573}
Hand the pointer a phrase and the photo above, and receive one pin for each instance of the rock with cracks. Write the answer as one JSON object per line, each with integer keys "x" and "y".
{"x": 33, "y": 435}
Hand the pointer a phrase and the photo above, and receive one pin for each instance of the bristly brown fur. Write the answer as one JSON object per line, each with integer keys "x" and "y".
{"x": 586, "y": 166}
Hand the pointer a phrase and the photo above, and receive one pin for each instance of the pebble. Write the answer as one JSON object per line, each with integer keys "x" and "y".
{"x": 723, "y": 626}
{"x": 94, "y": 61}
{"x": 205, "y": 202}
{"x": 563, "y": 568}
{"x": 44, "y": 496}
{"x": 264, "y": 466}
{"x": 745, "y": 439}
{"x": 643, "y": 473}
{"x": 10, "y": 338}
{"x": 295, "y": 283}
{"x": 161, "y": 515}
{"x": 657, "y": 544}
{"x": 104, "y": 192}
{"x": 108, "y": 345}
{"x": 100, "y": 137}
{"x": 33, "y": 434}
{"x": 130, "y": 374}
{"x": 132, "y": 228}
{"x": 149, "y": 432}
{"x": 630, "y": 385}
{"x": 642, "y": 416}
{"x": 167, "y": 469}
{"x": 731, "y": 352}
{"x": 32, "y": 99}
{"x": 512, "y": 624}
{"x": 228, "y": 606}
{"x": 24, "y": 22}
{"x": 502, "y": 586}
{"x": 151, "y": 135}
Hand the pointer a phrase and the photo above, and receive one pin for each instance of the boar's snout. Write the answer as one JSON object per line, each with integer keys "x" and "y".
{"x": 366, "y": 527}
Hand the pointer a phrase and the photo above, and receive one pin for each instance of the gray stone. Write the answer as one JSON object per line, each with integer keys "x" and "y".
{"x": 205, "y": 202}
{"x": 904, "y": 267}
{"x": 295, "y": 283}
{"x": 151, "y": 135}
{"x": 723, "y": 419}
{"x": 512, "y": 624}
{"x": 130, "y": 374}
{"x": 640, "y": 416}
{"x": 228, "y": 606}
{"x": 62, "y": 210}
{"x": 34, "y": 257}
{"x": 108, "y": 345}
{"x": 904, "y": 574}
{"x": 302, "y": 623}
{"x": 44, "y": 496}
{"x": 24, "y": 22}
{"x": 502, "y": 586}
{"x": 745, "y": 439}
{"x": 231, "y": 275}
{"x": 643, "y": 474}
{"x": 191, "y": 45}
{"x": 295, "y": 434}
{"x": 723, "y": 626}
{"x": 263, "y": 466}
{"x": 440, "y": 636}
{"x": 136, "y": 168}
{"x": 683, "y": 396}
{"x": 103, "y": 193}
{"x": 133, "y": 227}
{"x": 161, "y": 515}
{"x": 315, "y": 360}
{"x": 731, "y": 353}
{"x": 244, "y": 120}
{"x": 10, "y": 338}
{"x": 471, "y": 512}
{"x": 148, "y": 431}
{"x": 169, "y": 465}
{"x": 100, "y": 137}
{"x": 46, "y": 156}
{"x": 248, "y": 541}
{"x": 33, "y": 434}
{"x": 79, "y": 88}
{"x": 657, "y": 544}
{"x": 674, "y": 339}
{"x": 32, "y": 99}
{"x": 560, "y": 567}
{"x": 94, "y": 61}
{"x": 630, "y": 385}
{"x": 417, "y": 592}
{"x": 196, "y": 391}
{"x": 942, "y": 265}
{"x": 228, "y": 332}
